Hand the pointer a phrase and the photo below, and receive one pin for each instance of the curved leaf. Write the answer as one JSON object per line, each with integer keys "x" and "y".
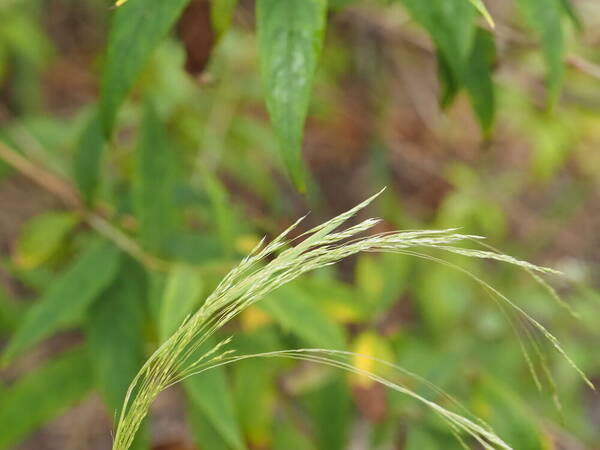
{"x": 66, "y": 298}
{"x": 42, "y": 237}
{"x": 43, "y": 394}
{"x": 153, "y": 183}
{"x": 478, "y": 80}
{"x": 181, "y": 297}
{"x": 87, "y": 158}
{"x": 136, "y": 29}
{"x": 295, "y": 312}
{"x": 114, "y": 332}
{"x": 290, "y": 35}
{"x": 210, "y": 394}
{"x": 544, "y": 16}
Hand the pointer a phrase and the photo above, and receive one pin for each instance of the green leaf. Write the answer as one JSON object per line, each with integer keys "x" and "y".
{"x": 10, "y": 313}
{"x": 451, "y": 26}
{"x": 153, "y": 183}
{"x": 331, "y": 412}
{"x": 478, "y": 80}
{"x": 221, "y": 13}
{"x": 67, "y": 298}
{"x": 254, "y": 392}
{"x": 572, "y": 13}
{"x": 137, "y": 28}
{"x": 181, "y": 297}
{"x": 449, "y": 84}
{"x": 499, "y": 405}
{"x": 381, "y": 280}
{"x": 87, "y": 158}
{"x": 443, "y": 296}
{"x": 297, "y": 313}
{"x": 544, "y": 16}
{"x": 286, "y": 437}
{"x": 114, "y": 334}
{"x": 204, "y": 433}
{"x": 290, "y": 35}
{"x": 42, "y": 395}
{"x": 42, "y": 237}
{"x": 221, "y": 213}
{"x": 480, "y": 6}
{"x": 210, "y": 394}
{"x": 419, "y": 439}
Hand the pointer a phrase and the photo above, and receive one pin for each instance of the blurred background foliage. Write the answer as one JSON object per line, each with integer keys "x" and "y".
{"x": 134, "y": 174}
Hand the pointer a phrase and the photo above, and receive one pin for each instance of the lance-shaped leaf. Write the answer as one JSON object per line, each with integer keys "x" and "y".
{"x": 153, "y": 183}
{"x": 450, "y": 23}
{"x": 296, "y": 313}
{"x": 87, "y": 158}
{"x": 181, "y": 298}
{"x": 114, "y": 333}
{"x": 42, "y": 395}
{"x": 42, "y": 237}
{"x": 544, "y": 16}
{"x": 137, "y": 28}
{"x": 478, "y": 79}
{"x": 480, "y": 6}
{"x": 209, "y": 393}
{"x": 290, "y": 35}
{"x": 221, "y": 13}
{"x": 67, "y": 298}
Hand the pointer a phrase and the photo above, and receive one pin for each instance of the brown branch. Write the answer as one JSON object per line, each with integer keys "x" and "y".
{"x": 68, "y": 195}
{"x": 584, "y": 66}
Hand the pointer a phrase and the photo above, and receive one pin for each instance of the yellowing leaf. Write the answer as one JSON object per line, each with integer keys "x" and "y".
{"x": 369, "y": 278}
{"x": 253, "y": 318}
{"x": 368, "y": 347}
{"x": 42, "y": 237}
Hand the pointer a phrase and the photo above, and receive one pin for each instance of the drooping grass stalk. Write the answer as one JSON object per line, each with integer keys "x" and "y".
{"x": 178, "y": 357}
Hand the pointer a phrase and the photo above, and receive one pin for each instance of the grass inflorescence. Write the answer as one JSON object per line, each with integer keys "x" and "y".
{"x": 276, "y": 263}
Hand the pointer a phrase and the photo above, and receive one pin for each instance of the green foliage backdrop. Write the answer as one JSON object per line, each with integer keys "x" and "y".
{"x": 162, "y": 177}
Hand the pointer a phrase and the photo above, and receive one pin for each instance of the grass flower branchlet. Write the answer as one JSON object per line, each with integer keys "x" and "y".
{"x": 271, "y": 265}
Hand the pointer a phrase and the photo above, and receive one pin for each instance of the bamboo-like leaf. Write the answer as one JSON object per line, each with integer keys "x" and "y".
{"x": 450, "y": 85}
{"x": 330, "y": 407}
{"x": 87, "y": 158}
{"x": 202, "y": 430}
{"x": 153, "y": 183}
{"x": 572, "y": 13}
{"x": 210, "y": 393}
{"x": 67, "y": 298}
{"x": 288, "y": 303}
{"x": 181, "y": 297}
{"x": 254, "y": 394}
{"x": 114, "y": 333}
{"x": 478, "y": 79}
{"x": 451, "y": 25}
{"x": 290, "y": 35}
{"x": 544, "y": 16}
{"x": 42, "y": 237}
{"x": 43, "y": 394}
{"x": 221, "y": 12}
{"x": 480, "y": 6}
{"x": 137, "y": 28}
{"x": 10, "y": 313}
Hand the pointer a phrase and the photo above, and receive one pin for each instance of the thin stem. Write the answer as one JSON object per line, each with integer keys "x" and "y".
{"x": 68, "y": 195}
